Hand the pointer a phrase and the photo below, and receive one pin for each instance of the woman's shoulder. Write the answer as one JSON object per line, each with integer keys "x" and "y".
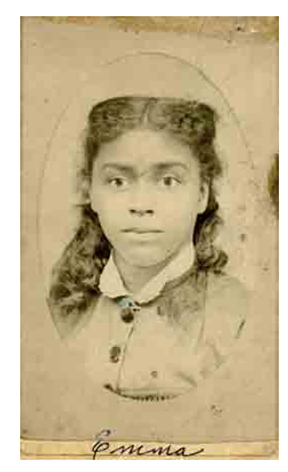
{"x": 228, "y": 303}
{"x": 223, "y": 288}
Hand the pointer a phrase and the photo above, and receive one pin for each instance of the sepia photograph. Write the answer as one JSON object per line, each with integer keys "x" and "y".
{"x": 149, "y": 312}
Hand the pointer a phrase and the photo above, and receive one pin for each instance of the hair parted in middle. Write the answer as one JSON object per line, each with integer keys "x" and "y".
{"x": 75, "y": 277}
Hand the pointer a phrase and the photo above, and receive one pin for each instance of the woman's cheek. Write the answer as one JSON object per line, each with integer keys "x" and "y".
{"x": 108, "y": 206}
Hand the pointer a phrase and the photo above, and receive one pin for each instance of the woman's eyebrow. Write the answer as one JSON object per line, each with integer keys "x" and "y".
{"x": 162, "y": 166}
{"x": 118, "y": 167}
{"x": 132, "y": 170}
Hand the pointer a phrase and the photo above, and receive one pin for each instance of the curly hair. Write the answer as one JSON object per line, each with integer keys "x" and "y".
{"x": 75, "y": 277}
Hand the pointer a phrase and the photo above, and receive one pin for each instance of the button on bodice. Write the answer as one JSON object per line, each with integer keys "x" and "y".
{"x": 127, "y": 315}
{"x": 115, "y": 352}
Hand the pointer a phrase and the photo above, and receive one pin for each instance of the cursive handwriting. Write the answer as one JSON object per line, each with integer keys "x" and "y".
{"x": 101, "y": 445}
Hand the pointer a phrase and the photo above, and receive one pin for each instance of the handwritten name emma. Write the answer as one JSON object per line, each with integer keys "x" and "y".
{"x": 103, "y": 446}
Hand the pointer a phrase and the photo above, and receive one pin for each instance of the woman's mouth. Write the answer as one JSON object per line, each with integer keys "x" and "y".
{"x": 141, "y": 231}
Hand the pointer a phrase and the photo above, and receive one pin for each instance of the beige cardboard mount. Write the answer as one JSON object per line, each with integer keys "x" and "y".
{"x": 67, "y": 66}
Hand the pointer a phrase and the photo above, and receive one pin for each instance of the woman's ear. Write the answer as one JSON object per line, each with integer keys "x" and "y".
{"x": 203, "y": 197}
{"x": 93, "y": 202}
{"x": 84, "y": 191}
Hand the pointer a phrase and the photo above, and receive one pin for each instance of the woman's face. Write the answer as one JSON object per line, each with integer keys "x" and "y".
{"x": 147, "y": 191}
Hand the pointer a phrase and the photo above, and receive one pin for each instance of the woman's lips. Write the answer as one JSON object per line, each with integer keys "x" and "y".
{"x": 142, "y": 231}
{"x": 141, "y": 235}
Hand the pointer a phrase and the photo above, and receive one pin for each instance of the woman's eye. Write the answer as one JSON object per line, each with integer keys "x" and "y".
{"x": 117, "y": 182}
{"x": 170, "y": 181}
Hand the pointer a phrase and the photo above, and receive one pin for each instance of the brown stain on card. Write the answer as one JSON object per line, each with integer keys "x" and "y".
{"x": 273, "y": 183}
{"x": 267, "y": 27}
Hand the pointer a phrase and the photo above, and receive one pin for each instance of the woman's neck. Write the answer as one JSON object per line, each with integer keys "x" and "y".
{"x": 135, "y": 278}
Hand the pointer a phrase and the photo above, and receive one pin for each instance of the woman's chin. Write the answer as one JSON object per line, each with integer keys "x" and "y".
{"x": 146, "y": 259}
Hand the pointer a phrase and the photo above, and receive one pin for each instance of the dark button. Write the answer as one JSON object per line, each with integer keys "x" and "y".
{"x": 127, "y": 315}
{"x": 115, "y": 352}
{"x": 160, "y": 311}
{"x": 154, "y": 374}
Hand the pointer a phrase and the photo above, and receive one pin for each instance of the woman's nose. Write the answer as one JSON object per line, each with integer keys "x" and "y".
{"x": 141, "y": 202}
{"x": 139, "y": 212}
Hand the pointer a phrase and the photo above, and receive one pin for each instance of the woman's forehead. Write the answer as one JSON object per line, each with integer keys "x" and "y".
{"x": 142, "y": 148}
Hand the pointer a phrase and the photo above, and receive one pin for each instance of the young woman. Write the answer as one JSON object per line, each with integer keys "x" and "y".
{"x": 142, "y": 285}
